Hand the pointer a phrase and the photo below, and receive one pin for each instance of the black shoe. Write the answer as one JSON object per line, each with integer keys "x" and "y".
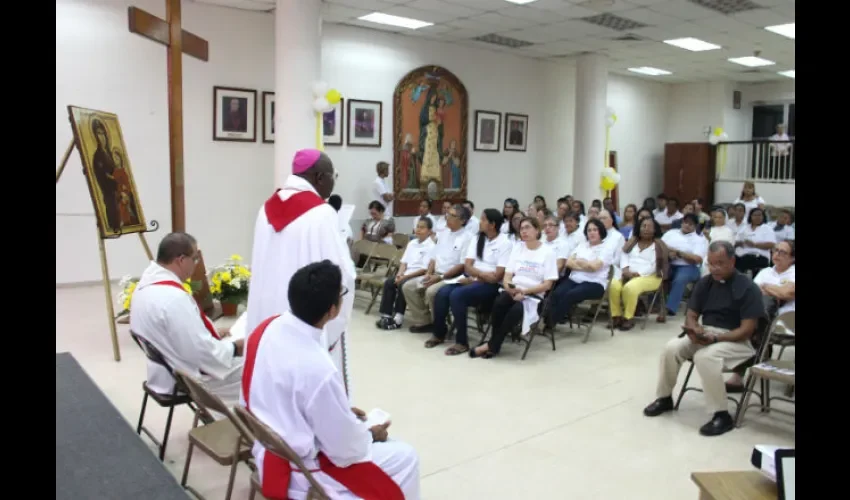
{"x": 721, "y": 423}
{"x": 383, "y": 322}
{"x": 422, "y": 328}
{"x": 659, "y": 406}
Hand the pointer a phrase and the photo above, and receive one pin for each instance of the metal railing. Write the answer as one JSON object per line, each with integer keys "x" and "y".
{"x": 759, "y": 161}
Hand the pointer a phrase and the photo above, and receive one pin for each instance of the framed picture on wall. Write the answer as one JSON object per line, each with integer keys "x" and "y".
{"x": 234, "y": 114}
{"x": 268, "y": 117}
{"x": 364, "y": 123}
{"x": 332, "y": 124}
{"x": 488, "y": 130}
{"x": 516, "y": 132}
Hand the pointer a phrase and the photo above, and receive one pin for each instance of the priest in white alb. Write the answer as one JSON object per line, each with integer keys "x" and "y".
{"x": 295, "y": 227}
{"x": 166, "y": 315}
{"x": 291, "y": 384}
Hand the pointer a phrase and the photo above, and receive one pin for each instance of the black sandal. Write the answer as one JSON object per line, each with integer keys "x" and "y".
{"x": 433, "y": 342}
{"x": 456, "y": 349}
{"x": 391, "y": 325}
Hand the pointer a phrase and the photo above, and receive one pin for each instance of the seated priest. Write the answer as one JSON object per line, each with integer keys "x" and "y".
{"x": 167, "y": 316}
{"x": 293, "y": 386}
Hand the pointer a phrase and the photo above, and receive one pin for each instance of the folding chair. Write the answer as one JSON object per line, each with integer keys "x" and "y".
{"x": 273, "y": 443}
{"x": 178, "y": 397}
{"x": 226, "y": 441}
{"x": 375, "y": 281}
{"x": 401, "y": 240}
{"x": 596, "y": 306}
{"x": 655, "y": 295}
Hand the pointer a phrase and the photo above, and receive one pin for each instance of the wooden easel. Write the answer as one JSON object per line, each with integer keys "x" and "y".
{"x": 107, "y": 286}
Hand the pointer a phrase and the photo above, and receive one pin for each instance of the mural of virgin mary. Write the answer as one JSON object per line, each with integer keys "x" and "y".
{"x": 430, "y": 138}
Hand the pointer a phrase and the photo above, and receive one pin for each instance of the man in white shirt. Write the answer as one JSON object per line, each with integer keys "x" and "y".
{"x": 782, "y": 226}
{"x": 574, "y": 236}
{"x": 474, "y": 223}
{"x": 440, "y": 222}
{"x": 687, "y": 250}
{"x": 669, "y": 215}
{"x": 446, "y": 263}
{"x": 167, "y": 316}
{"x": 292, "y": 385}
{"x": 380, "y": 190}
{"x": 660, "y": 205}
{"x": 295, "y": 227}
{"x": 414, "y": 263}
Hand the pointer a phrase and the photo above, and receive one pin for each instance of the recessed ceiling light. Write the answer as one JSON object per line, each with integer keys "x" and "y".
{"x": 646, "y": 70}
{"x": 692, "y": 44}
{"x": 789, "y": 73}
{"x": 521, "y": 2}
{"x": 751, "y": 61}
{"x": 401, "y": 22}
{"x": 783, "y": 29}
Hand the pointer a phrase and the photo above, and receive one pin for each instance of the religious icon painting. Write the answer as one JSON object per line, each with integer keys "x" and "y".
{"x": 268, "y": 117}
{"x": 488, "y": 131}
{"x": 234, "y": 114}
{"x": 332, "y": 124}
{"x": 516, "y": 132}
{"x": 364, "y": 123}
{"x": 106, "y": 166}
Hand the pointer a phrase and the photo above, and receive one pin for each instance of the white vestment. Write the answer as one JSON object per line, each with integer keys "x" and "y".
{"x": 297, "y": 391}
{"x": 312, "y": 237}
{"x": 169, "y": 318}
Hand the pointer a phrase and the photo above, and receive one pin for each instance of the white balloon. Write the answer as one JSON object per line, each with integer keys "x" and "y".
{"x": 320, "y": 89}
{"x": 321, "y": 105}
{"x": 616, "y": 178}
{"x": 610, "y": 121}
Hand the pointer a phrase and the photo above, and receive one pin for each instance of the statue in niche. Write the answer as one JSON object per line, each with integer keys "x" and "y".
{"x": 431, "y": 107}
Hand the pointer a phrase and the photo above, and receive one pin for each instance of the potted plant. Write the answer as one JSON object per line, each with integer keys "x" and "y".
{"x": 229, "y": 284}
{"x": 128, "y": 285}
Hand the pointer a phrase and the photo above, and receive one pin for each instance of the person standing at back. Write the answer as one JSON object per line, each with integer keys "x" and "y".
{"x": 295, "y": 227}
{"x": 380, "y": 190}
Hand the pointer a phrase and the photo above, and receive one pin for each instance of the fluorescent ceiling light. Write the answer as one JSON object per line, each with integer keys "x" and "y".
{"x": 402, "y": 22}
{"x": 751, "y": 61}
{"x": 692, "y": 44}
{"x": 789, "y": 73}
{"x": 783, "y": 29}
{"x": 520, "y": 2}
{"x": 646, "y": 70}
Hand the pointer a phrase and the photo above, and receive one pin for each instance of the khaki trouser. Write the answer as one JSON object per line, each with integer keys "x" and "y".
{"x": 420, "y": 301}
{"x": 709, "y": 361}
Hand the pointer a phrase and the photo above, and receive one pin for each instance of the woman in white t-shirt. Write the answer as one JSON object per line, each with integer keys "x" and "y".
{"x": 643, "y": 264}
{"x": 589, "y": 266}
{"x": 753, "y": 244}
{"x": 783, "y": 226}
{"x": 485, "y": 264}
{"x": 510, "y": 208}
{"x": 750, "y": 199}
{"x": 736, "y": 217}
{"x": 615, "y": 239}
{"x": 513, "y": 228}
{"x": 552, "y": 239}
{"x": 530, "y": 273}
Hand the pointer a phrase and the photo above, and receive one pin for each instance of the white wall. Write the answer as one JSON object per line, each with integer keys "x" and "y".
{"x": 368, "y": 64}
{"x": 100, "y": 65}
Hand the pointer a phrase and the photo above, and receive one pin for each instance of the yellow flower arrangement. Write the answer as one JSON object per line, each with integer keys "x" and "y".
{"x": 229, "y": 281}
{"x": 128, "y": 285}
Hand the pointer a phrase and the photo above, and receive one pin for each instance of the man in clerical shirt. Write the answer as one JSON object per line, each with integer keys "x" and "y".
{"x": 167, "y": 316}
{"x": 729, "y": 306}
{"x": 292, "y": 385}
{"x": 295, "y": 227}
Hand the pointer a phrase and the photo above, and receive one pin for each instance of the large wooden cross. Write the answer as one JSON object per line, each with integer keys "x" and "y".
{"x": 179, "y": 42}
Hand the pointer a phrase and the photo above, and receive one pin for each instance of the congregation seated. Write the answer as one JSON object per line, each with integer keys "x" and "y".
{"x": 589, "y": 266}
{"x": 783, "y": 226}
{"x": 484, "y": 269}
{"x": 574, "y": 234}
{"x": 669, "y": 215}
{"x": 717, "y": 228}
{"x": 510, "y": 208}
{"x": 688, "y": 209}
{"x": 294, "y": 387}
{"x": 592, "y": 213}
{"x": 702, "y": 216}
{"x": 473, "y": 225}
{"x": 614, "y": 239}
{"x": 440, "y": 222}
{"x": 627, "y": 224}
{"x": 425, "y": 211}
{"x": 753, "y": 243}
{"x": 562, "y": 211}
{"x": 658, "y": 205}
{"x": 414, "y": 263}
{"x": 378, "y": 228}
{"x": 167, "y": 316}
{"x": 723, "y": 312}
{"x": 513, "y": 228}
{"x": 643, "y": 265}
{"x": 531, "y": 271}
{"x": 749, "y": 199}
{"x": 608, "y": 204}
{"x": 686, "y": 250}
{"x": 554, "y": 241}
{"x": 736, "y": 218}
{"x": 446, "y": 263}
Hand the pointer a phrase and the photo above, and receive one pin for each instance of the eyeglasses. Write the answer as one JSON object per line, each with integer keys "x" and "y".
{"x": 195, "y": 258}
{"x": 779, "y": 251}
{"x": 450, "y": 214}
{"x": 550, "y": 224}
{"x": 344, "y": 291}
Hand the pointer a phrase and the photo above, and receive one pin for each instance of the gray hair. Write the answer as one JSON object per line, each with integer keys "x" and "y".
{"x": 720, "y": 245}
{"x": 173, "y": 246}
{"x": 463, "y": 213}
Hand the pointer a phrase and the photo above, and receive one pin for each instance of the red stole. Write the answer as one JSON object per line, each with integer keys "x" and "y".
{"x": 204, "y": 318}
{"x": 282, "y": 213}
{"x": 366, "y": 480}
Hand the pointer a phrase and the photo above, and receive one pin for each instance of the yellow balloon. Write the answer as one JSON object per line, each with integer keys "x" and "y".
{"x": 608, "y": 184}
{"x": 333, "y": 96}
{"x": 718, "y": 131}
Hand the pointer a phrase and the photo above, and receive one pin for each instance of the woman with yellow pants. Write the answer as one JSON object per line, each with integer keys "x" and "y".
{"x": 644, "y": 264}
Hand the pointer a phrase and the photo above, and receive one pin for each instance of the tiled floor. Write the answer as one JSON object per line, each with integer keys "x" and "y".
{"x": 562, "y": 424}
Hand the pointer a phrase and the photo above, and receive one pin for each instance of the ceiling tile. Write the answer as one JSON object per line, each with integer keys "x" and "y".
{"x": 653, "y": 33}
{"x": 443, "y": 7}
{"x": 576, "y": 29}
{"x": 682, "y": 9}
{"x": 370, "y": 5}
{"x": 533, "y": 35}
{"x": 650, "y": 17}
{"x": 535, "y": 15}
{"x": 504, "y": 22}
{"x": 421, "y": 15}
{"x": 616, "y": 7}
{"x": 562, "y": 7}
{"x": 762, "y": 17}
{"x": 562, "y": 48}
{"x": 723, "y": 24}
{"x": 333, "y": 12}
{"x": 646, "y": 2}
